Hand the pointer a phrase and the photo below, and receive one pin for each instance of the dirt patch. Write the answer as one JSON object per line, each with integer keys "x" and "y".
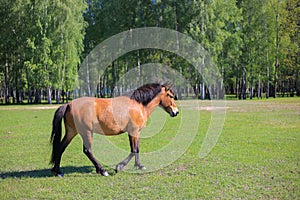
{"x": 212, "y": 108}
{"x": 29, "y": 107}
{"x": 263, "y": 106}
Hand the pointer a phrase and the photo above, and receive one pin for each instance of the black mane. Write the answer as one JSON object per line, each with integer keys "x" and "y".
{"x": 146, "y": 93}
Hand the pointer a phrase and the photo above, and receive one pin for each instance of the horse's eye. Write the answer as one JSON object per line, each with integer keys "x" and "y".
{"x": 171, "y": 96}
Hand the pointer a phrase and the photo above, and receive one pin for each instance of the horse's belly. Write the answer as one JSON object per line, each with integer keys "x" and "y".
{"x": 104, "y": 129}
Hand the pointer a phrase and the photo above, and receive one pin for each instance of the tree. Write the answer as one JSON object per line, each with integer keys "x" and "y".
{"x": 254, "y": 44}
{"x": 42, "y": 48}
{"x": 216, "y": 28}
{"x": 289, "y": 48}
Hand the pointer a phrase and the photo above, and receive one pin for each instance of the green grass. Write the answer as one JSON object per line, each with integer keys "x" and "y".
{"x": 257, "y": 157}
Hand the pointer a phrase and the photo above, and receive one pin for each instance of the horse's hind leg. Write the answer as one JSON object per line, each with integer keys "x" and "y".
{"x": 63, "y": 145}
{"x": 87, "y": 150}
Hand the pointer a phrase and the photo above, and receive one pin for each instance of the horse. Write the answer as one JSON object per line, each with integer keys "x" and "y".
{"x": 109, "y": 117}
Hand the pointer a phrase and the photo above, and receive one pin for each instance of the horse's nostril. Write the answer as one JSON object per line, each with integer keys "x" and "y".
{"x": 174, "y": 114}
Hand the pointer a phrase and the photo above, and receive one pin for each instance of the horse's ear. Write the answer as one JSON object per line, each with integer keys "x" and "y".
{"x": 166, "y": 88}
{"x": 168, "y": 85}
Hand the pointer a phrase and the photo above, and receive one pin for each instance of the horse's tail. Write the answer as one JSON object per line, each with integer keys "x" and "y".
{"x": 57, "y": 131}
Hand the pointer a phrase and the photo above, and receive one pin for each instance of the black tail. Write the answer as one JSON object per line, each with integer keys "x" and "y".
{"x": 56, "y": 131}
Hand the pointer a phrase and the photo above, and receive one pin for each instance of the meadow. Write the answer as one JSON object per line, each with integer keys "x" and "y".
{"x": 257, "y": 156}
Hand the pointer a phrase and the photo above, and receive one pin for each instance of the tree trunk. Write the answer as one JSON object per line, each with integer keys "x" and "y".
{"x": 58, "y": 96}
{"x": 176, "y": 24}
{"x": 49, "y": 93}
{"x": 88, "y": 78}
{"x": 297, "y": 83}
{"x": 277, "y": 54}
{"x": 67, "y": 96}
{"x": 203, "y": 90}
{"x": 37, "y": 96}
{"x": 259, "y": 88}
{"x": 179, "y": 92}
{"x": 6, "y": 85}
{"x": 28, "y": 88}
{"x": 244, "y": 84}
{"x": 237, "y": 85}
{"x": 267, "y": 60}
{"x": 139, "y": 67}
{"x": 112, "y": 85}
{"x": 268, "y": 75}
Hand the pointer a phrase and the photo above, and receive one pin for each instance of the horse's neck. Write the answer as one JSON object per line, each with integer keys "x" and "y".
{"x": 152, "y": 105}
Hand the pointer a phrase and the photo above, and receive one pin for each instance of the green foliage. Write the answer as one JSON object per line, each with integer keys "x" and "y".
{"x": 45, "y": 39}
{"x": 45, "y": 42}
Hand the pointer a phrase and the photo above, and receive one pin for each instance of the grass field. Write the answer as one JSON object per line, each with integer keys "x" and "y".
{"x": 257, "y": 157}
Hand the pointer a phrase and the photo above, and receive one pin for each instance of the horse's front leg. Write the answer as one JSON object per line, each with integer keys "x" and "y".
{"x": 135, "y": 148}
{"x": 137, "y": 162}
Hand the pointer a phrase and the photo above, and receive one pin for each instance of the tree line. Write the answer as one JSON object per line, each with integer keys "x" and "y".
{"x": 255, "y": 44}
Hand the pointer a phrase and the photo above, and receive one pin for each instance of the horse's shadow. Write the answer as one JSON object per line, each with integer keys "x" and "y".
{"x": 42, "y": 173}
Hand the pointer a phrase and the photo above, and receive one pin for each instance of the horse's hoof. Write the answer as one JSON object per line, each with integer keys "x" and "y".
{"x": 105, "y": 173}
{"x": 57, "y": 174}
{"x": 140, "y": 167}
{"x": 119, "y": 167}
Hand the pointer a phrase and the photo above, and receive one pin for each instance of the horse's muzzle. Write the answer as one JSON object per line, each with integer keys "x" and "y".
{"x": 174, "y": 112}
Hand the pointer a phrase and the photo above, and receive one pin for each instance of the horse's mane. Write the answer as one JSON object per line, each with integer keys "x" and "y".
{"x": 146, "y": 93}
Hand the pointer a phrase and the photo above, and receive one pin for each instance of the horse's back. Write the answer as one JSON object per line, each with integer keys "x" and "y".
{"x": 82, "y": 107}
{"x": 107, "y": 116}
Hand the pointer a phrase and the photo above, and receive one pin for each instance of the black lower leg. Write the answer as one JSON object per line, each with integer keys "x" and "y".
{"x": 122, "y": 164}
{"x": 56, "y": 169}
{"x": 98, "y": 166}
{"x": 135, "y": 148}
{"x": 137, "y": 162}
{"x": 63, "y": 145}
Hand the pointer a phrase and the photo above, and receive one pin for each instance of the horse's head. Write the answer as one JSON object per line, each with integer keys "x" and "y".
{"x": 167, "y": 101}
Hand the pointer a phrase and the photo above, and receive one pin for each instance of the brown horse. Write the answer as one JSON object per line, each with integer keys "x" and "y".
{"x": 111, "y": 116}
